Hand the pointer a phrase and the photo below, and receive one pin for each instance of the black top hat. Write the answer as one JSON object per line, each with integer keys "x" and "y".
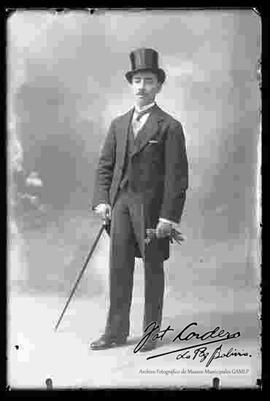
{"x": 145, "y": 59}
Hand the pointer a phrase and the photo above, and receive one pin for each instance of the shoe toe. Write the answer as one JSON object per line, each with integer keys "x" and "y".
{"x": 148, "y": 347}
{"x": 105, "y": 343}
{"x": 100, "y": 344}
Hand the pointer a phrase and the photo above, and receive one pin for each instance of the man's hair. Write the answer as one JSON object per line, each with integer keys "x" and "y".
{"x": 153, "y": 72}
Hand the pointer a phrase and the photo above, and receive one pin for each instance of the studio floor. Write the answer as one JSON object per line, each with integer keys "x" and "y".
{"x": 212, "y": 283}
{"x": 37, "y": 353}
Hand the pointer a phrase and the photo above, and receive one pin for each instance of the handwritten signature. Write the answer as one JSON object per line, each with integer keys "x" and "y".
{"x": 198, "y": 351}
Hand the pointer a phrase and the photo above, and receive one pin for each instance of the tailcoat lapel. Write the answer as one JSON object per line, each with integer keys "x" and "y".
{"x": 148, "y": 131}
{"x": 122, "y": 136}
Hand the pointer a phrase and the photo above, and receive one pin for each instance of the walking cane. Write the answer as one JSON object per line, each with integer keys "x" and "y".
{"x": 104, "y": 224}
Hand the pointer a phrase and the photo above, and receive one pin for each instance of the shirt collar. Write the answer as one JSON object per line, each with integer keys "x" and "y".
{"x": 144, "y": 108}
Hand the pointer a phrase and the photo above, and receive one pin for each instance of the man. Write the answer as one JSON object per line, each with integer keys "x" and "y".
{"x": 141, "y": 183}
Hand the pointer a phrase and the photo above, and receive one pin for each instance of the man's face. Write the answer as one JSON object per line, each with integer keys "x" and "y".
{"x": 145, "y": 87}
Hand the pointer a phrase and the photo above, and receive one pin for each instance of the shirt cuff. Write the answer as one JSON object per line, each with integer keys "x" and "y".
{"x": 99, "y": 205}
{"x": 173, "y": 223}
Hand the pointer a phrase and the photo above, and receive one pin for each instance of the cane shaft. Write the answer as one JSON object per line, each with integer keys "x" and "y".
{"x": 80, "y": 275}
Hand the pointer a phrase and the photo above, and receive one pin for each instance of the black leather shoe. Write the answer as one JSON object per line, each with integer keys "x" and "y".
{"x": 107, "y": 342}
{"x": 149, "y": 346}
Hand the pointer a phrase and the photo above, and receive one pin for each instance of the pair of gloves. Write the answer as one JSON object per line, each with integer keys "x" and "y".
{"x": 164, "y": 228}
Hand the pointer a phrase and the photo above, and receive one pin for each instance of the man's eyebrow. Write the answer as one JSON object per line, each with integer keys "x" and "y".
{"x": 138, "y": 77}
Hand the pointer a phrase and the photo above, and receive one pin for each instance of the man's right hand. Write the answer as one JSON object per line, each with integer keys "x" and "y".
{"x": 104, "y": 211}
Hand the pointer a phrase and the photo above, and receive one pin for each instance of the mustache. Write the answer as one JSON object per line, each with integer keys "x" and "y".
{"x": 141, "y": 93}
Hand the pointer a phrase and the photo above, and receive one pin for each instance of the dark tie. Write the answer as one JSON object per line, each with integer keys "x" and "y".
{"x": 136, "y": 121}
{"x": 142, "y": 113}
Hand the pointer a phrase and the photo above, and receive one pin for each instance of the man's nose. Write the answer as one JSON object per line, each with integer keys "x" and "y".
{"x": 141, "y": 84}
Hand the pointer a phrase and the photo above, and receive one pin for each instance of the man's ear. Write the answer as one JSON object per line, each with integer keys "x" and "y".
{"x": 159, "y": 87}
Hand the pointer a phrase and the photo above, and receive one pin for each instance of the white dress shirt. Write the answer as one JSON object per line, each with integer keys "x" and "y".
{"x": 137, "y": 125}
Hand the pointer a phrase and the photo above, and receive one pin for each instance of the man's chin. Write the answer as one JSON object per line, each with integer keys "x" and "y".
{"x": 142, "y": 101}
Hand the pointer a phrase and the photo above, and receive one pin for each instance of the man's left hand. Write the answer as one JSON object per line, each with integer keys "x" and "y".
{"x": 163, "y": 229}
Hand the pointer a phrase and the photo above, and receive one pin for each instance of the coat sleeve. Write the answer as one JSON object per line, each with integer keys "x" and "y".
{"x": 105, "y": 168}
{"x": 176, "y": 174}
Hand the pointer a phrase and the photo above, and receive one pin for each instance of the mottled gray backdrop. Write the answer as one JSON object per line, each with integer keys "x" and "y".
{"x": 66, "y": 81}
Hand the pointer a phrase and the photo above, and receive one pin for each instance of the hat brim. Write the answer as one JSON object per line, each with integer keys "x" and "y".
{"x": 159, "y": 72}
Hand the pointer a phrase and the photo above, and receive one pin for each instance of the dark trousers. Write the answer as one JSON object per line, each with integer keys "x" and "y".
{"x": 126, "y": 230}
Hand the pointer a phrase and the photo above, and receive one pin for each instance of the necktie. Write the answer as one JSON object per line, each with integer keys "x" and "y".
{"x": 138, "y": 116}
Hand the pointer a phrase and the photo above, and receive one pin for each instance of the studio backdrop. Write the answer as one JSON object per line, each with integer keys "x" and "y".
{"x": 66, "y": 82}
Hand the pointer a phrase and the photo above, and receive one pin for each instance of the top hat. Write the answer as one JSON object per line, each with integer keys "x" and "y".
{"x": 145, "y": 59}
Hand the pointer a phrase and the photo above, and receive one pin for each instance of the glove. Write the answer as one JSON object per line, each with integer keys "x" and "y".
{"x": 163, "y": 229}
{"x": 104, "y": 211}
